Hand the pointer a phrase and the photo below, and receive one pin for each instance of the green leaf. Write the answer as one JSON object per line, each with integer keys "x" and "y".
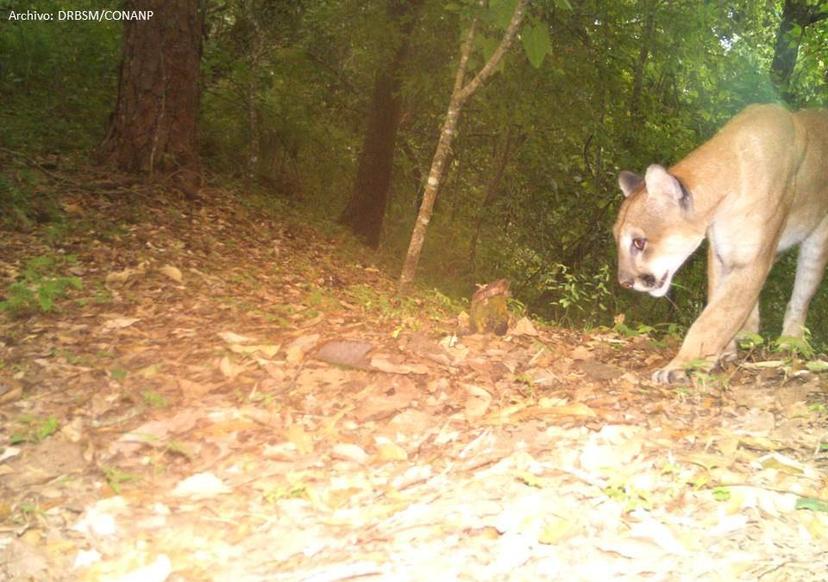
{"x": 536, "y": 43}
{"x": 500, "y": 12}
{"x": 812, "y": 503}
{"x": 817, "y": 366}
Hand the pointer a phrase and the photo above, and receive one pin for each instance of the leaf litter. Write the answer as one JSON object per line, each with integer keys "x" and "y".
{"x": 237, "y": 407}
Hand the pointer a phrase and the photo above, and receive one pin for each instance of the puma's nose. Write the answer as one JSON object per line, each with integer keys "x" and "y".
{"x": 648, "y": 280}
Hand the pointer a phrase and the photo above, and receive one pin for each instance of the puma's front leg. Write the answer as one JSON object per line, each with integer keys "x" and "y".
{"x": 715, "y": 273}
{"x": 732, "y": 306}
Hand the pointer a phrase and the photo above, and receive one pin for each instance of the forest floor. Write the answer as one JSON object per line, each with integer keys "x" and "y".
{"x": 234, "y": 397}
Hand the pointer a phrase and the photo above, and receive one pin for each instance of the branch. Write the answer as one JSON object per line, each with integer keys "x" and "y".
{"x": 489, "y": 67}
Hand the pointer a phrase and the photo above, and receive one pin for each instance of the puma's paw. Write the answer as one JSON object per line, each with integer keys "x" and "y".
{"x": 670, "y": 375}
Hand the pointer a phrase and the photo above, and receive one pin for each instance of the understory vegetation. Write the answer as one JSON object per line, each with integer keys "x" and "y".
{"x": 530, "y": 192}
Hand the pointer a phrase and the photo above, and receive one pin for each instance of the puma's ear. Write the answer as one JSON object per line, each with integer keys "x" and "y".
{"x": 661, "y": 183}
{"x": 629, "y": 182}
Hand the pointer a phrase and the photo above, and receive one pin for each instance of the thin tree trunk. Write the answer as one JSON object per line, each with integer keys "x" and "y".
{"x": 365, "y": 210}
{"x": 154, "y": 126}
{"x": 796, "y": 16}
{"x": 252, "y": 93}
{"x": 500, "y": 159}
{"x": 460, "y": 94}
{"x": 640, "y": 65}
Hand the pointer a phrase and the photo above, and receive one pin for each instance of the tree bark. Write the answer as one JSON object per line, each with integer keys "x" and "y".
{"x": 254, "y": 58}
{"x": 365, "y": 211}
{"x": 460, "y": 94}
{"x": 796, "y": 16}
{"x": 153, "y": 129}
{"x": 640, "y": 65}
{"x": 500, "y": 159}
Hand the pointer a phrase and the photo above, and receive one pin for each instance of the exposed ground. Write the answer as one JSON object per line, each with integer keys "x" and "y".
{"x": 233, "y": 397}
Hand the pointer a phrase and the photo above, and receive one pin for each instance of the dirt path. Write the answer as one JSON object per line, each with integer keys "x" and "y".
{"x": 231, "y": 398}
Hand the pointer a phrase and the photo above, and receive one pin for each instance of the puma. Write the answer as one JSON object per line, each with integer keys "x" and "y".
{"x": 757, "y": 188}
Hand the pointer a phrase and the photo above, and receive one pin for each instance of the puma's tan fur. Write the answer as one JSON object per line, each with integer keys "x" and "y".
{"x": 758, "y": 187}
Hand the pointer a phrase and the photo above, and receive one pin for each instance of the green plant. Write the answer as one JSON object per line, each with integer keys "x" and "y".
{"x": 40, "y": 286}
{"x": 794, "y": 345}
{"x": 154, "y": 399}
{"x": 118, "y": 374}
{"x": 34, "y": 430}
{"x": 115, "y": 476}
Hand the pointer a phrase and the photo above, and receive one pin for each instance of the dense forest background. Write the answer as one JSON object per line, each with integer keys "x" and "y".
{"x": 294, "y": 93}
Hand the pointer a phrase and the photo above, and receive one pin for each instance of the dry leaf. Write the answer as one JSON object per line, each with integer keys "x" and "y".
{"x": 229, "y": 369}
{"x": 200, "y": 486}
{"x": 300, "y": 439}
{"x": 390, "y": 451}
{"x": 234, "y": 338}
{"x": 120, "y": 322}
{"x": 295, "y": 352}
{"x": 350, "y": 452}
{"x": 524, "y": 326}
{"x": 172, "y": 272}
{"x": 267, "y": 350}
{"x": 383, "y": 364}
{"x": 158, "y": 571}
{"x": 345, "y": 353}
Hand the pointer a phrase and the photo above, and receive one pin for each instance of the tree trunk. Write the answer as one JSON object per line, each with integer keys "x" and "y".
{"x": 500, "y": 159}
{"x": 461, "y": 93}
{"x": 254, "y": 58}
{"x": 153, "y": 128}
{"x": 365, "y": 210}
{"x": 796, "y": 15}
{"x": 640, "y": 66}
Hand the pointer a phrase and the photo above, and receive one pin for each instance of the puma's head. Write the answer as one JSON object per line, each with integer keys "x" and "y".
{"x": 655, "y": 231}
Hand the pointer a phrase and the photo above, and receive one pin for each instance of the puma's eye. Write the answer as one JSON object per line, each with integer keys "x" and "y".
{"x": 639, "y": 243}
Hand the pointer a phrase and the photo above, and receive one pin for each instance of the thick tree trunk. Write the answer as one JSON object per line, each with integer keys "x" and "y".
{"x": 796, "y": 16}
{"x": 153, "y": 127}
{"x": 365, "y": 211}
{"x": 461, "y": 93}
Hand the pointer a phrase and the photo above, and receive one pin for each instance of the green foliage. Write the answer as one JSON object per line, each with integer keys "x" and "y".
{"x": 537, "y": 43}
{"x": 34, "y": 430}
{"x": 24, "y": 202}
{"x": 749, "y": 341}
{"x": 794, "y": 345}
{"x": 40, "y": 286}
{"x": 57, "y": 78}
{"x": 115, "y": 477}
{"x": 153, "y": 399}
{"x": 530, "y": 191}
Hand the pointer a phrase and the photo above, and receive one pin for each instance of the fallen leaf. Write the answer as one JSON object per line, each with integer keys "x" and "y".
{"x": 300, "y": 439}
{"x": 125, "y": 275}
{"x": 390, "y": 451}
{"x": 120, "y": 322}
{"x": 524, "y": 326}
{"x": 234, "y": 338}
{"x": 350, "y": 452}
{"x": 352, "y": 354}
{"x": 295, "y": 352}
{"x": 383, "y": 364}
{"x": 200, "y": 486}
{"x": 478, "y": 401}
{"x": 158, "y": 571}
{"x": 172, "y": 272}
{"x": 267, "y": 350}
{"x": 229, "y": 369}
